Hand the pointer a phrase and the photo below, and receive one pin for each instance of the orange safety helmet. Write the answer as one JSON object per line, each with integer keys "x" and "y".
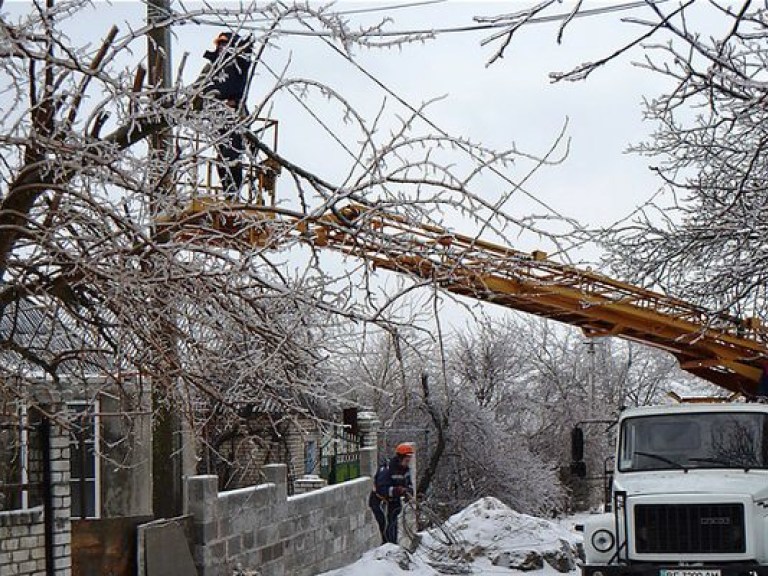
{"x": 404, "y": 449}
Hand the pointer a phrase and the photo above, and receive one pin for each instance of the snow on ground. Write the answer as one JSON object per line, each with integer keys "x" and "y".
{"x": 487, "y": 537}
{"x": 387, "y": 560}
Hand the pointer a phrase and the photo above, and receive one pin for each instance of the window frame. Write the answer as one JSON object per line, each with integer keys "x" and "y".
{"x": 92, "y": 406}
{"x": 699, "y": 466}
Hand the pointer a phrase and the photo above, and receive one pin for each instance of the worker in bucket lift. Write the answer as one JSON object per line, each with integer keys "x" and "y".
{"x": 226, "y": 80}
{"x": 391, "y": 484}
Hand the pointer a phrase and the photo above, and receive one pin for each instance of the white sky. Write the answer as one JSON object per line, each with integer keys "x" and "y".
{"x": 512, "y": 101}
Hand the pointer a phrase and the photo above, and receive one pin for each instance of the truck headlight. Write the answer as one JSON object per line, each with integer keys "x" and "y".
{"x": 602, "y": 540}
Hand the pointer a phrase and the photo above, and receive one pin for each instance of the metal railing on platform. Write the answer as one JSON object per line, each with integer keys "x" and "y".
{"x": 199, "y": 178}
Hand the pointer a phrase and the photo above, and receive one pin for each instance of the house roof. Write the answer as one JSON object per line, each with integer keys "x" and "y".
{"x": 38, "y": 336}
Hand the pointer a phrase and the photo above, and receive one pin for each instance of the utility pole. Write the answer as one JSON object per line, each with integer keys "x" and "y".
{"x": 623, "y": 384}
{"x": 160, "y": 79}
{"x": 166, "y": 430}
{"x": 591, "y": 377}
{"x": 159, "y": 43}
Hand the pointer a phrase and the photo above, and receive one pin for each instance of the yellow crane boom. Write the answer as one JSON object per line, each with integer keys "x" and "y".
{"x": 722, "y": 349}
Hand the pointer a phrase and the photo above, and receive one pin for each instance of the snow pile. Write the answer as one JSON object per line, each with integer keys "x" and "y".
{"x": 490, "y": 532}
{"x": 485, "y": 537}
{"x": 387, "y": 560}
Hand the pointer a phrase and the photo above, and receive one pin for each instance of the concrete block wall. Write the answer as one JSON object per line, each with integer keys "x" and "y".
{"x": 308, "y": 483}
{"x": 260, "y": 528}
{"x": 22, "y": 544}
{"x": 22, "y": 532}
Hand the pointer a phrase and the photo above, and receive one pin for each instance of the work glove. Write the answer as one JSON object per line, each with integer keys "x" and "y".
{"x": 399, "y": 491}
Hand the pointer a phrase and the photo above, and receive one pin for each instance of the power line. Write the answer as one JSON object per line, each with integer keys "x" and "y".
{"x": 390, "y": 7}
{"x": 315, "y": 117}
{"x": 325, "y": 35}
{"x": 433, "y": 31}
{"x": 515, "y": 185}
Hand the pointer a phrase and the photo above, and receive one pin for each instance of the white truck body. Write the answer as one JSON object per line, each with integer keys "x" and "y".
{"x": 690, "y": 490}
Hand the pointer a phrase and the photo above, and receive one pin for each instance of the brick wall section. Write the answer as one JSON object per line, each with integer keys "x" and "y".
{"x": 22, "y": 533}
{"x": 62, "y": 525}
{"x": 22, "y": 549}
{"x": 251, "y": 454}
{"x": 260, "y": 528}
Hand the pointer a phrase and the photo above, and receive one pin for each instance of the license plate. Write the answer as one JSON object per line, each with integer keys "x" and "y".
{"x": 687, "y": 572}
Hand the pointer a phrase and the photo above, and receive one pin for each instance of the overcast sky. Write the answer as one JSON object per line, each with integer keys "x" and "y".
{"x": 512, "y": 101}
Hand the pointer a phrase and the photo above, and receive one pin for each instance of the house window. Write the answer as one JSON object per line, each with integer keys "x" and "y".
{"x": 84, "y": 463}
{"x": 310, "y": 457}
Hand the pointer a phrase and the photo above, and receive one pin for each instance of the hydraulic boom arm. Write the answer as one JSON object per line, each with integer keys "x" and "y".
{"x": 722, "y": 349}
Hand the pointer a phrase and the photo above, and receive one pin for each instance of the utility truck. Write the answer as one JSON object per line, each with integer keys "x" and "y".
{"x": 689, "y": 494}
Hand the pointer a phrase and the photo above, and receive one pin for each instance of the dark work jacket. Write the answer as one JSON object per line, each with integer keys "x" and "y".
{"x": 391, "y": 476}
{"x": 229, "y": 81}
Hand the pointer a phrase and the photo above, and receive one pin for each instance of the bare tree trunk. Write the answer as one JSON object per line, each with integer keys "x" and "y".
{"x": 440, "y": 422}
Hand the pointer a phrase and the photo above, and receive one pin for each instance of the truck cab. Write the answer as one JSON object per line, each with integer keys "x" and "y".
{"x": 689, "y": 494}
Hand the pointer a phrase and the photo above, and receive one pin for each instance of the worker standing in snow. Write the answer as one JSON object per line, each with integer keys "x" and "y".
{"x": 226, "y": 80}
{"x": 391, "y": 484}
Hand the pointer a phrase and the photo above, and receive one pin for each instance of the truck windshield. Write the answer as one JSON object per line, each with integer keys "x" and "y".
{"x": 696, "y": 440}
